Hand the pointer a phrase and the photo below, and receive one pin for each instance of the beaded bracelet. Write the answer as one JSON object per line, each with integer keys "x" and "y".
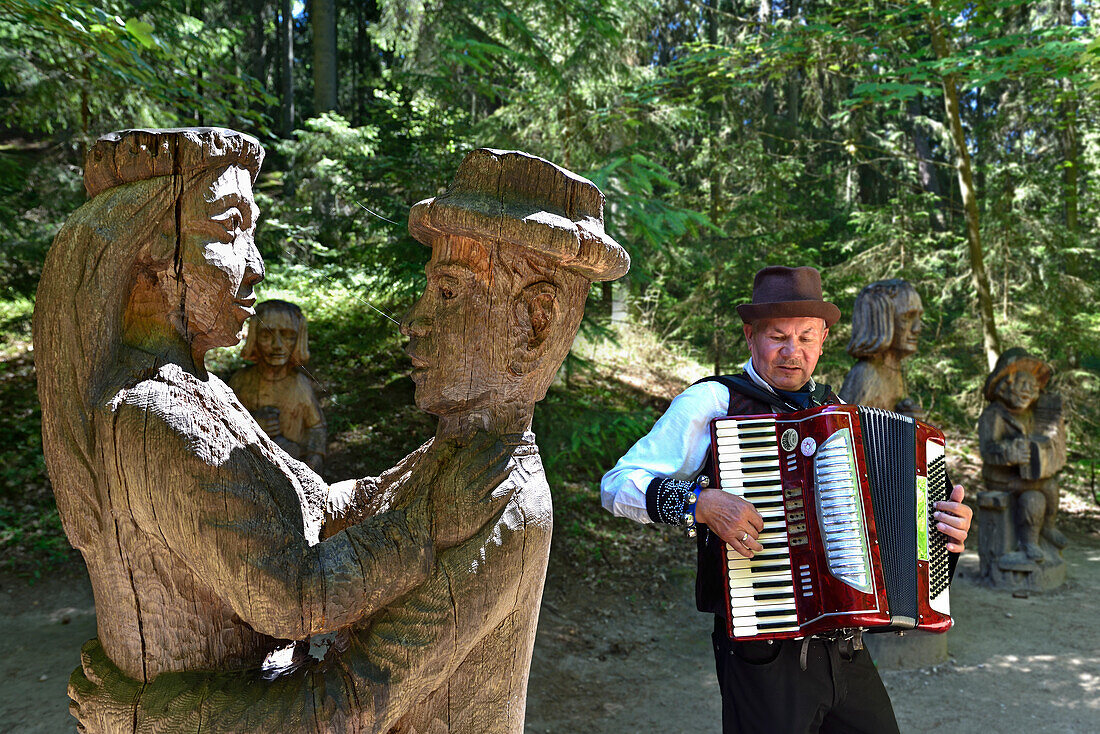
{"x": 691, "y": 503}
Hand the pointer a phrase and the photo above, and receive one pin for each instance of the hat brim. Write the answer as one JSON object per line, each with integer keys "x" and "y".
{"x": 582, "y": 247}
{"x": 1035, "y": 366}
{"x": 750, "y": 312}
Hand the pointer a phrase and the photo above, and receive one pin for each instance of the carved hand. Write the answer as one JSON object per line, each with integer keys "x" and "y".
{"x": 911, "y": 408}
{"x": 268, "y": 418}
{"x": 469, "y": 486}
{"x": 1019, "y": 451}
{"x": 734, "y": 519}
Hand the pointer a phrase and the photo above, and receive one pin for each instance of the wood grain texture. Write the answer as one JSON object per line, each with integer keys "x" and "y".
{"x": 208, "y": 545}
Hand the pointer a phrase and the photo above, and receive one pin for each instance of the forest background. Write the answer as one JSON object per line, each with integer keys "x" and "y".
{"x": 954, "y": 144}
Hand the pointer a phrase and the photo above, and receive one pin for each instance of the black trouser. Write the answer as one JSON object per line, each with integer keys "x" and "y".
{"x": 764, "y": 688}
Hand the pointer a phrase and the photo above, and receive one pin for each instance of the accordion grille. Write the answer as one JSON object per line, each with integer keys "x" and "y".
{"x": 889, "y": 441}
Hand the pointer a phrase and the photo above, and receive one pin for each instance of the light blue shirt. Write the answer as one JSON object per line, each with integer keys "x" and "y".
{"x": 675, "y": 447}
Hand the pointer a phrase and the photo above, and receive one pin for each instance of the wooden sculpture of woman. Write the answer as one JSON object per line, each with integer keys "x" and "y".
{"x": 276, "y": 390}
{"x": 886, "y": 326}
{"x": 206, "y": 543}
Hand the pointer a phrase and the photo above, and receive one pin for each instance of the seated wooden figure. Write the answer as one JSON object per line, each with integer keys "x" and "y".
{"x": 206, "y": 546}
{"x": 886, "y": 326}
{"x": 1023, "y": 447}
{"x": 275, "y": 390}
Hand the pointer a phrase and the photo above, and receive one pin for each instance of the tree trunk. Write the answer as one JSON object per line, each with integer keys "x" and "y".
{"x": 926, "y": 167}
{"x": 715, "y": 185}
{"x": 1071, "y": 163}
{"x": 978, "y": 275}
{"x": 764, "y": 20}
{"x": 323, "y": 20}
{"x": 286, "y": 56}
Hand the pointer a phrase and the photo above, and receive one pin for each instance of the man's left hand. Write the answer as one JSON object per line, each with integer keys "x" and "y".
{"x": 953, "y": 519}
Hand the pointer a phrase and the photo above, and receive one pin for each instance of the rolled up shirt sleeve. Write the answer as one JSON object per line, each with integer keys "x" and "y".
{"x": 675, "y": 447}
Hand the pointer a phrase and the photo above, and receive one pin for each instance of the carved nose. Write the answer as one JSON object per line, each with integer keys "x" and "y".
{"x": 253, "y": 265}
{"x": 416, "y": 327}
{"x": 415, "y": 324}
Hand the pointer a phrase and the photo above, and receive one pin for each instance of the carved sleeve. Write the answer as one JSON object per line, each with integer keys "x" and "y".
{"x": 232, "y": 511}
{"x": 998, "y": 444}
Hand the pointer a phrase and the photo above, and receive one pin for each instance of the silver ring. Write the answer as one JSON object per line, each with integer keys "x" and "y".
{"x": 744, "y": 537}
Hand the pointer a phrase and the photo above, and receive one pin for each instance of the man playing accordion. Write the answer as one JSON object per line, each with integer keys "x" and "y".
{"x": 812, "y": 684}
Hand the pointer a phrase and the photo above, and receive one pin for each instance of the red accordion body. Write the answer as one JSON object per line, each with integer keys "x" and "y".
{"x": 847, "y": 495}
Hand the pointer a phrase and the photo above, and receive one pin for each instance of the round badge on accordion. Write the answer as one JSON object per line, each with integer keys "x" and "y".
{"x": 809, "y": 446}
{"x": 789, "y": 439}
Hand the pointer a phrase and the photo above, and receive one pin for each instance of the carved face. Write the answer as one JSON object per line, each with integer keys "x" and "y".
{"x": 459, "y": 331}
{"x": 220, "y": 259}
{"x": 908, "y": 311}
{"x": 785, "y": 351}
{"x": 276, "y": 336}
{"x": 1018, "y": 390}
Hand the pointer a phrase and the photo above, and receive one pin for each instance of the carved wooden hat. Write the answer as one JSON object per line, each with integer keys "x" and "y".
{"x": 523, "y": 200}
{"x": 779, "y": 292}
{"x": 126, "y": 156}
{"x": 1012, "y": 361}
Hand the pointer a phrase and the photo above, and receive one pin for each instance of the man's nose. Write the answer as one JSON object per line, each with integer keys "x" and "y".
{"x": 277, "y": 340}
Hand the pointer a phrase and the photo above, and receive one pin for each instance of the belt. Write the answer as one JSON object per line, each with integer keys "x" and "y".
{"x": 845, "y": 642}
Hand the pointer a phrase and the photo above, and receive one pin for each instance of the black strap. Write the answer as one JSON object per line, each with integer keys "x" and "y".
{"x": 743, "y": 384}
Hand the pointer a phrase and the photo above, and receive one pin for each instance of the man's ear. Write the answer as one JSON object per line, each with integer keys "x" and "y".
{"x": 535, "y": 312}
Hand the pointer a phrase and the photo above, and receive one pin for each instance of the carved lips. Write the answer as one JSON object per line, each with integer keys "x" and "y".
{"x": 419, "y": 364}
{"x": 246, "y": 306}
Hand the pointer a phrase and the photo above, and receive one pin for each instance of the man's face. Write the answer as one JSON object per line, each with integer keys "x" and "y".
{"x": 220, "y": 259}
{"x": 276, "y": 336}
{"x": 907, "y": 322}
{"x": 458, "y": 331}
{"x": 785, "y": 351}
{"x": 1018, "y": 390}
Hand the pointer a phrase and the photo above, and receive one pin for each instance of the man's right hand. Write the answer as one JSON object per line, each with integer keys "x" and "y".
{"x": 734, "y": 519}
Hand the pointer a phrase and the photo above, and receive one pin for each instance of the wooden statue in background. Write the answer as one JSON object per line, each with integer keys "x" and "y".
{"x": 1023, "y": 447}
{"x": 207, "y": 543}
{"x": 886, "y": 326}
{"x": 276, "y": 390}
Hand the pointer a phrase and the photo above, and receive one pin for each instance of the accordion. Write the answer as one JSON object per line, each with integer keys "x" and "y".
{"x": 847, "y": 495}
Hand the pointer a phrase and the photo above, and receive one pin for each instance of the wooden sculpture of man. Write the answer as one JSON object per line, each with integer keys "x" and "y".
{"x": 276, "y": 390}
{"x": 1023, "y": 447}
{"x": 204, "y": 539}
{"x": 886, "y": 326}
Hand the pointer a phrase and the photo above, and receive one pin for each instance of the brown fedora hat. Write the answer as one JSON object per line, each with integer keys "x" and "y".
{"x": 779, "y": 292}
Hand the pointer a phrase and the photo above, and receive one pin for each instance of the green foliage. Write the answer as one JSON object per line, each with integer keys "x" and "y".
{"x": 582, "y": 436}
{"x": 74, "y": 66}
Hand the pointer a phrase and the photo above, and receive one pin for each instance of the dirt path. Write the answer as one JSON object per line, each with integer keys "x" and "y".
{"x": 637, "y": 659}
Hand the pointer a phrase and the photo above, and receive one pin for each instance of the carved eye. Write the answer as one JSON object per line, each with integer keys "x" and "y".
{"x": 231, "y": 219}
{"x": 447, "y": 292}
